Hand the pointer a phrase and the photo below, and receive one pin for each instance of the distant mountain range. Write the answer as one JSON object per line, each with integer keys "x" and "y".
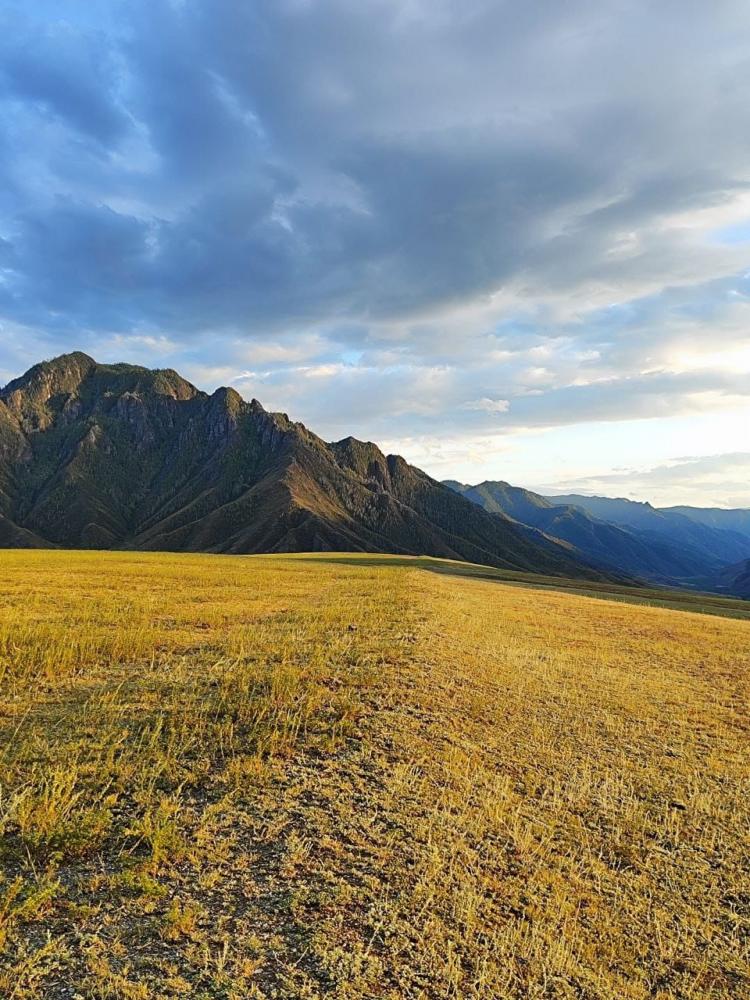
{"x": 674, "y": 546}
{"x": 118, "y": 456}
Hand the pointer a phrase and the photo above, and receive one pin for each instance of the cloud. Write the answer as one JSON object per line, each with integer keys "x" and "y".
{"x": 706, "y": 480}
{"x": 350, "y": 180}
{"x": 59, "y": 71}
{"x": 373, "y": 213}
{"x": 487, "y": 405}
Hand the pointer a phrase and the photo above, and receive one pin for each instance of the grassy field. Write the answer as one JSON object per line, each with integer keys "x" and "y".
{"x": 351, "y": 777}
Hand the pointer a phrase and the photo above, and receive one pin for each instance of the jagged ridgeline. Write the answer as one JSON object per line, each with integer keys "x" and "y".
{"x": 119, "y": 456}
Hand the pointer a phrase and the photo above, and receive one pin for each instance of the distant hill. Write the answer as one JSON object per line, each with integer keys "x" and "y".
{"x": 635, "y": 538}
{"x": 118, "y": 456}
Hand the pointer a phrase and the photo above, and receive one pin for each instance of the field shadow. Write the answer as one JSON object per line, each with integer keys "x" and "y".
{"x": 700, "y": 603}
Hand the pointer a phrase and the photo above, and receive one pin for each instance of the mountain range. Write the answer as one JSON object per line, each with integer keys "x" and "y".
{"x": 119, "y": 456}
{"x": 674, "y": 546}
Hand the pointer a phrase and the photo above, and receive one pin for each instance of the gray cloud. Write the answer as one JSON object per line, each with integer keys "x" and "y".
{"x": 421, "y": 204}
{"x": 384, "y": 159}
{"x": 62, "y": 72}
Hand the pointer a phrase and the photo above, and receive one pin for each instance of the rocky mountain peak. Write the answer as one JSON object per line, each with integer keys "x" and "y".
{"x": 45, "y": 387}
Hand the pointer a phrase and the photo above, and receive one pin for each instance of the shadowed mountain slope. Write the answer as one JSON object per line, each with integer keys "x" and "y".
{"x": 711, "y": 542}
{"x": 737, "y": 519}
{"x": 736, "y": 579}
{"x": 118, "y": 456}
{"x": 689, "y": 555}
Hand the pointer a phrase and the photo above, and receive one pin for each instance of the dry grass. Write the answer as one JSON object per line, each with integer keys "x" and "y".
{"x": 227, "y": 777}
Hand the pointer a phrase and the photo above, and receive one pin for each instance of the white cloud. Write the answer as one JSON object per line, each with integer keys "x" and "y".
{"x": 487, "y": 405}
{"x": 707, "y": 480}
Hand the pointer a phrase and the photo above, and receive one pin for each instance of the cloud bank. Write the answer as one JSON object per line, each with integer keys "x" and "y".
{"x": 476, "y": 220}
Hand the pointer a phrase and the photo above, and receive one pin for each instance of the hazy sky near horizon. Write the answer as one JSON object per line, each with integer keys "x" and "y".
{"x": 509, "y": 240}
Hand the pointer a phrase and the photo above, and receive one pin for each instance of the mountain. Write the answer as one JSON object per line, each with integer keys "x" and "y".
{"x": 717, "y": 546}
{"x": 118, "y": 456}
{"x": 645, "y": 552}
{"x": 737, "y": 519}
{"x": 501, "y": 498}
{"x": 736, "y": 579}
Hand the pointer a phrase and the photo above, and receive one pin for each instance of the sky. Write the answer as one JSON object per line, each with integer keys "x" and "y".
{"x": 508, "y": 240}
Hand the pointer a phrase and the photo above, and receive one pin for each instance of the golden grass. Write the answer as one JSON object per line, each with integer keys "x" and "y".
{"x": 228, "y": 777}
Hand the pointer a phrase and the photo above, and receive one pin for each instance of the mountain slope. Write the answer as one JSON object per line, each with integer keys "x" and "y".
{"x": 713, "y": 544}
{"x": 737, "y": 519}
{"x": 640, "y": 552}
{"x": 118, "y": 456}
{"x": 736, "y": 579}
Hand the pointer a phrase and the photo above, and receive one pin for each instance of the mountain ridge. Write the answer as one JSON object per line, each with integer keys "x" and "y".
{"x": 121, "y": 456}
{"x": 662, "y": 547}
{"x": 724, "y": 544}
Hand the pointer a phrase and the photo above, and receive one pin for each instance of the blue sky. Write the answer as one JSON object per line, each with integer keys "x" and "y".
{"x": 508, "y": 240}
